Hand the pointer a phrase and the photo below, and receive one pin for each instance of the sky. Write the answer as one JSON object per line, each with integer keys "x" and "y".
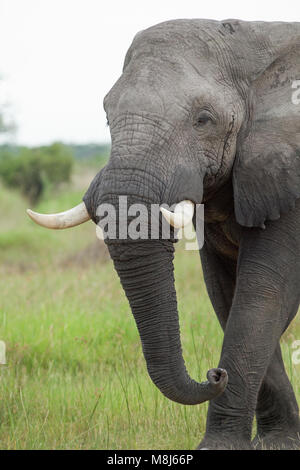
{"x": 59, "y": 58}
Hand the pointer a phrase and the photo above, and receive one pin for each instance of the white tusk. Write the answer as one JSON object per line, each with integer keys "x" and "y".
{"x": 70, "y": 218}
{"x": 99, "y": 233}
{"x": 182, "y": 215}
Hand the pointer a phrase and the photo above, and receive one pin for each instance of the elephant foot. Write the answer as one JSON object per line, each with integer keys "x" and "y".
{"x": 221, "y": 443}
{"x": 277, "y": 441}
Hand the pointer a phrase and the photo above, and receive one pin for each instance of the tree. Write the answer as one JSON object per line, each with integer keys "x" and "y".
{"x": 7, "y": 125}
{"x": 31, "y": 170}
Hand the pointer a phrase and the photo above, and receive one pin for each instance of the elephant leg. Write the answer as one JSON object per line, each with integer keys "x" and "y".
{"x": 219, "y": 275}
{"x": 266, "y": 297}
{"x": 277, "y": 412}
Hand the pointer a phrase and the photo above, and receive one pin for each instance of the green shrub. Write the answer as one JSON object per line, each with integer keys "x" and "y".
{"x": 31, "y": 170}
{"x": 57, "y": 162}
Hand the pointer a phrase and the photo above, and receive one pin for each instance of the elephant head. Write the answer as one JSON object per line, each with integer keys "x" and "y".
{"x": 188, "y": 115}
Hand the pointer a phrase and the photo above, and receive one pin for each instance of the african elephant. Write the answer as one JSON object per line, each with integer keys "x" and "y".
{"x": 207, "y": 112}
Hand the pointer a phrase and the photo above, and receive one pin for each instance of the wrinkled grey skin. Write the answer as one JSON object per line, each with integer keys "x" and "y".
{"x": 203, "y": 111}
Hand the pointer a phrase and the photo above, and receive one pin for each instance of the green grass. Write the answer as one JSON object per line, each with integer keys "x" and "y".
{"x": 75, "y": 376}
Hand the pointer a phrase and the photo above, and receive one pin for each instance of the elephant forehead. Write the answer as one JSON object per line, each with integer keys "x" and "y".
{"x": 175, "y": 39}
{"x": 178, "y": 50}
{"x": 178, "y": 35}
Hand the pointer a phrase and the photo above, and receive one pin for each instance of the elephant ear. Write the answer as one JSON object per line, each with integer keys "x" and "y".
{"x": 266, "y": 172}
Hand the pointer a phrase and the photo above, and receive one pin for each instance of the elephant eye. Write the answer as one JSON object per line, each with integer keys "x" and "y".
{"x": 202, "y": 119}
{"x": 107, "y": 121}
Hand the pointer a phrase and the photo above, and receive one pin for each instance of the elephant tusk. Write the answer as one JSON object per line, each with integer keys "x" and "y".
{"x": 182, "y": 215}
{"x": 70, "y": 218}
{"x": 99, "y": 233}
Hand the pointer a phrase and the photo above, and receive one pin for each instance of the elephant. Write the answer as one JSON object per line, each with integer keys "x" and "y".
{"x": 207, "y": 112}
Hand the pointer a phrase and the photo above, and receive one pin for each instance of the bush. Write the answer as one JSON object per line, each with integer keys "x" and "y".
{"x": 57, "y": 162}
{"x": 31, "y": 170}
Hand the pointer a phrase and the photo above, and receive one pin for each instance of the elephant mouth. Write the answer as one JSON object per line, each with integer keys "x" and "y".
{"x": 180, "y": 217}
{"x": 136, "y": 222}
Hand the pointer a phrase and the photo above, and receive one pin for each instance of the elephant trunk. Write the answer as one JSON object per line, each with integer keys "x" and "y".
{"x": 146, "y": 273}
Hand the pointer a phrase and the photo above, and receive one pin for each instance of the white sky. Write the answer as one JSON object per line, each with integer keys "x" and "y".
{"x": 59, "y": 58}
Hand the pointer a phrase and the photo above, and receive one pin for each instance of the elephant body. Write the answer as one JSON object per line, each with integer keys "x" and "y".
{"x": 208, "y": 112}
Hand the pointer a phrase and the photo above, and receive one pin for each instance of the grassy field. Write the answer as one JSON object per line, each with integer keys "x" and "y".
{"x": 75, "y": 376}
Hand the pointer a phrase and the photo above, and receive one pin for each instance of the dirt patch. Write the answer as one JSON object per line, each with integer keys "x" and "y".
{"x": 8, "y": 267}
{"x": 94, "y": 253}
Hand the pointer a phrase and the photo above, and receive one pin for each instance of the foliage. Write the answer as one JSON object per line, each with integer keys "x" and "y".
{"x": 90, "y": 151}
{"x": 7, "y": 124}
{"x": 95, "y": 155}
{"x": 31, "y": 170}
{"x": 57, "y": 162}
